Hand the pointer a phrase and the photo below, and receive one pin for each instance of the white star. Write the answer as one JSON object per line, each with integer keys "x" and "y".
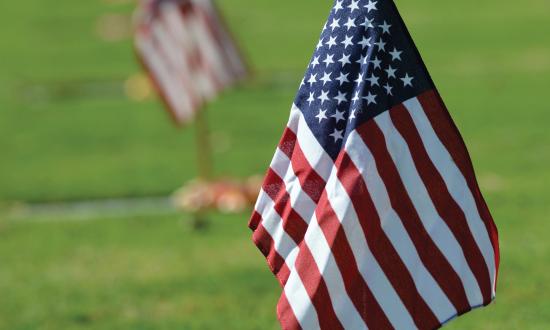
{"x": 320, "y": 43}
{"x": 341, "y": 97}
{"x": 337, "y": 135}
{"x": 391, "y": 72}
{"x": 377, "y": 63}
{"x": 335, "y": 24}
{"x": 331, "y": 42}
{"x": 407, "y": 81}
{"x": 348, "y": 41}
{"x": 362, "y": 59}
{"x": 343, "y": 78}
{"x": 312, "y": 79}
{"x": 381, "y": 45}
{"x": 329, "y": 59}
{"x": 303, "y": 82}
{"x": 345, "y": 59}
{"x": 338, "y": 115}
{"x": 354, "y": 5}
{"x": 388, "y": 89}
{"x": 385, "y": 28}
{"x": 311, "y": 98}
{"x": 396, "y": 55}
{"x": 352, "y": 115}
{"x": 367, "y": 23}
{"x": 323, "y": 97}
{"x": 373, "y": 80}
{"x": 350, "y": 23}
{"x": 365, "y": 42}
{"x": 359, "y": 78}
{"x": 315, "y": 61}
{"x": 326, "y": 78}
{"x": 370, "y": 98}
{"x": 355, "y": 97}
{"x": 322, "y": 115}
{"x": 371, "y": 6}
{"x": 338, "y": 6}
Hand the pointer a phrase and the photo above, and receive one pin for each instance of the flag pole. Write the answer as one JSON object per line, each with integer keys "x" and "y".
{"x": 204, "y": 147}
{"x": 204, "y": 162}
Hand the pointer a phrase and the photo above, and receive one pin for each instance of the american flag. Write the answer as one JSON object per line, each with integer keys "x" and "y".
{"x": 370, "y": 215}
{"x": 188, "y": 52}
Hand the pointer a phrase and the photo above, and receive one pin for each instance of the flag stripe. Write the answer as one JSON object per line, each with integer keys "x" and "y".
{"x": 178, "y": 28}
{"x": 456, "y": 183}
{"x": 371, "y": 182}
{"x": 286, "y": 315}
{"x": 432, "y": 224}
{"x": 312, "y": 273}
{"x": 315, "y": 155}
{"x": 293, "y": 223}
{"x": 355, "y": 283}
{"x": 276, "y": 262}
{"x": 449, "y": 135}
{"x": 302, "y": 308}
{"x": 155, "y": 61}
{"x": 420, "y": 231}
{"x": 446, "y": 206}
{"x": 308, "y": 274}
{"x": 369, "y": 268}
{"x": 271, "y": 221}
{"x": 391, "y": 261}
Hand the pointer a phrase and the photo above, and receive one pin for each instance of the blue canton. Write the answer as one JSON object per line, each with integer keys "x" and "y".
{"x": 365, "y": 63}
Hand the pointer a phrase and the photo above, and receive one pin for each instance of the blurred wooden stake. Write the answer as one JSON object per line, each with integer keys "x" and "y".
{"x": 204, "y": 147}
{"x": 204, "y": 162}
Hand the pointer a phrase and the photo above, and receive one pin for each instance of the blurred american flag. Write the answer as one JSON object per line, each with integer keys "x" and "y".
{"x": 188, "y": 52}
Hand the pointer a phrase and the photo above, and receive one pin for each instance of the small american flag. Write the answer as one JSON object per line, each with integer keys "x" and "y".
{"x": 370, "y": 215}
{"x": 185, "y": 47}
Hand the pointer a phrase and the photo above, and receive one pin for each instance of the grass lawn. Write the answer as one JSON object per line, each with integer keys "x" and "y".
{"x": 68, "y": 132}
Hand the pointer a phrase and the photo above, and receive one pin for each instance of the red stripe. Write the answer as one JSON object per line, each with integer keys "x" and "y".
{"x": 286, "y": 316}
{"x": 255, "y": 220}
{"x": 200, "y": 14}
{"x": 435, "y": 262}
{"x": 157, "y": 79}
{"x": 446, "y": 206}
{"x": 312, "y": 183}
{"x": 214, "y": 26}
{"x": 276, "y": 262}
{"x": 288, "y": 142}
{"x": 381, "y": 247}
{"x": 316, "y": 288}
{"x": 449, "y": 135}
{"x": 356, "y": 287}
{"x": 293, "y": 223}
{"x": 196, "y": 100}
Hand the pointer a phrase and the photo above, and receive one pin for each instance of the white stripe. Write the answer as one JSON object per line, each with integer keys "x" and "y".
{"x": 393, "y": 227}
{"x": 237, "y": 65}
{"x": 301, "y": 304}
{"x": 172, "y": 88}
{"x": 455, "y": 182}
{"x": 433, "y": 223}
{"x": 315, "y": 239}
{"x": 208, "y": 88}
{"x": 273, "y": 224}
{"x": 368, "y": 266}
{"x": 316, "y": 156}
{"x": 299, "y": 200}
{"x": 295, "y": 291}
{"x": 343, "y": 307}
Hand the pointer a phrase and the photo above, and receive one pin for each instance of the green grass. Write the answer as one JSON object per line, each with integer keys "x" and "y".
{"x": 68, "y": 132}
